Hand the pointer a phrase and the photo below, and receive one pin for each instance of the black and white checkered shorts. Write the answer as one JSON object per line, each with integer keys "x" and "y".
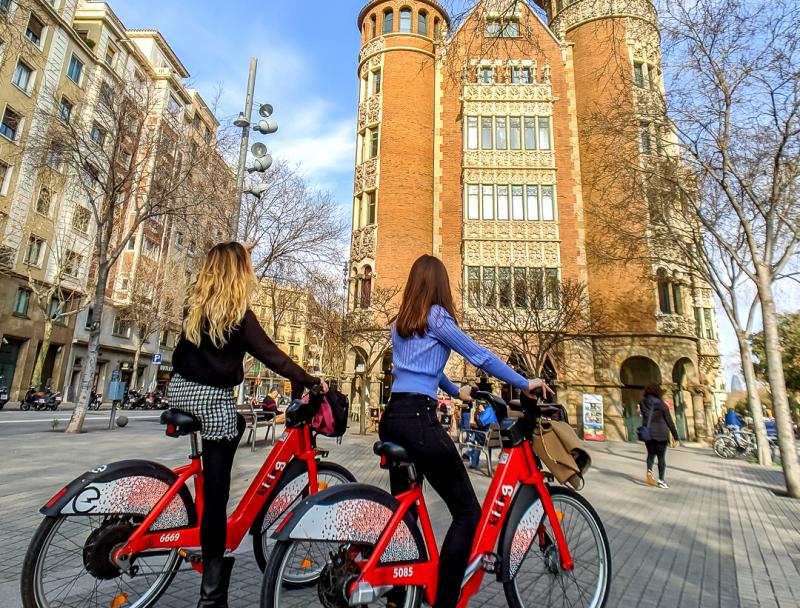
{"x": 215, "y": 407}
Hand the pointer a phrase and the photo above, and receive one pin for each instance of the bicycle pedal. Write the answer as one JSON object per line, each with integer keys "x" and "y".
{"x": 490, "y": 562}
{"x": 193, "y": 557}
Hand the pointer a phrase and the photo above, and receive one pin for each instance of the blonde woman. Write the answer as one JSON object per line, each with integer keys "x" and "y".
{"x": 207, "y": 364}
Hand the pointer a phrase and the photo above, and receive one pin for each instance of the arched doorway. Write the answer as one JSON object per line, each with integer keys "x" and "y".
{"x": 683, "y": 370}
{"x": 387, "y": 378}
{"x": 357, "y": 362}
{"x": 635, "y": 374}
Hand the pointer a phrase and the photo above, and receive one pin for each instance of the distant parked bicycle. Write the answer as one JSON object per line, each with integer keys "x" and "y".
{"x": 734, "y": 441}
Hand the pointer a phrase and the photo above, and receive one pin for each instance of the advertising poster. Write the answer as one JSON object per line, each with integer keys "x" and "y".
{"x": 593, "y": 429}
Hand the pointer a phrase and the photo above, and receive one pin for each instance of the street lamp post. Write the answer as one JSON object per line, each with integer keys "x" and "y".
{"x": 263, "y": 160}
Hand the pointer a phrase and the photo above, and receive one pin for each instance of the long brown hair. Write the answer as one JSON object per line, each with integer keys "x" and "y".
{"x": 428, "y": 284}
{"x": 221, "y": 295}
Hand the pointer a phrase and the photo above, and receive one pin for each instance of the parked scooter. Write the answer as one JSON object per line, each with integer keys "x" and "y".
{"x": 96, "y": 401}
{"x": 157, "y": 400}
{"x": 135, "y": 400}
{"x": 3, "y": 392}
{"x": 40, "y": 400}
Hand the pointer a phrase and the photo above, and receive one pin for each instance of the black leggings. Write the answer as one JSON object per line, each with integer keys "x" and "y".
{"x": 657, "y": 448}
{"x": 217, "y": 465}
{"x": 410, "y": 421}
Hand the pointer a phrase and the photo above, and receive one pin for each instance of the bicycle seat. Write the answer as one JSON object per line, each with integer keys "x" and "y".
{"x": 392, "y": 455}
{"x": 179, "y": 423}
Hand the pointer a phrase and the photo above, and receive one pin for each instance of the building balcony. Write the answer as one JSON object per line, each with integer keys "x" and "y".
{"x": 375, "y": 45}
{"x": 676, "y": 325}
{"x": 510, "y": 92}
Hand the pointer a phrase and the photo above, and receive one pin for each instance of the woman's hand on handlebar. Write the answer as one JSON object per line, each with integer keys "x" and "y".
{"x": 323, "y": 386}
{"x": 465, "y": 393}
{"x": 538, "y": 383}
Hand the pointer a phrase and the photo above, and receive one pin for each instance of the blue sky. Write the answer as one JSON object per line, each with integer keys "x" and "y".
{"x": 307, "y": 53}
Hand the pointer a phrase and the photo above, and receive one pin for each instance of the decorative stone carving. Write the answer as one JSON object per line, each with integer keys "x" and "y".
{"x": 579, "y": 12}
{"x": 363, "y": 245}
{"x": 648, "y": 103}
{"x": 369, "y": 111}
{"x": 550, "y": 254}
{"x": 549, "y": 231}
{"x": 509, "y": 176}
{"x": 508, "y": 92}
{"x": 510, "y": 159}
{"x": 509, "y": 108}
{"x": 546, "y": 72}
{"x": 372, "y": 47}
{"x": 366, "y": 177}
{"x": 508, "y": 230}
{"x": 674, "y": 325}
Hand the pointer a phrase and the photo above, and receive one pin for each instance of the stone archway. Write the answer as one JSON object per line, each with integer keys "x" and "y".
{"x": 635, "y": 373}
{"x": 683, "y": 373}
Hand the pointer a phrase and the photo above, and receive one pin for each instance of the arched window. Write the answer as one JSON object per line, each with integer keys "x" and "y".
{"x": 366, "y": 288}
{"x": 405, "y": 20}
{"x": 436, "y": 28}
{"x": 422, "y": 23}
{"x": 388, "y": 21}
{"x": 373, "y": 26}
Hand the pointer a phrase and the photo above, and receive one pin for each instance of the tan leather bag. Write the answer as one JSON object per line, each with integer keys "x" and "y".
{"x": 562, "y": 452}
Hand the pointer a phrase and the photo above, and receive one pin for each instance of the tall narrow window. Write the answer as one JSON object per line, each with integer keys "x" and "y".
{"x": 548, "y": 204}
{"x": 473, "y": 206}
{"x": 487, "y": 202}
{"x": 65, "y": 110}
{"x": 638, "y": 74}
{"x": 405, "y": 20}
{"x": 709, "y": 323}
{"x": 437, "y": 29}
{"x": 533, "y": 203}
{"x": 372, "y": 214}
{"x": 520, "y": 75}
{"x": 110, "y": 54}
{"x": 515, "y": 132}
{"x": 664, "y": 300}
{"x": 366, "y": 288}
{"x": 474, "y": 286}
{"x": 422, "y": 23}
{"x": 677, "y": 302}
{"x": 517, "y": 204}
{"x": 552, "y": 288}
{"x": 373, "y": 26}
{"x": 502, "y": 202}
{"x": 645, "y": 141}
{"x": 472, "y": 132}
{"x": 373, "y": 146}
{"x": 357, "y": 212}
{"x": 536, "y": 288}
{"x": 486, "y": 75}
{"x": 520, "y": 288}
{"x": 388, "y": 22}
{"x": 494, "y": 28}
{"x": 44, "y": 201}
{"x": 489, "y": 287}
{"x": 486, "y": 133}
{"x": 501, "y": 133}
{"x": 511, "y": 28}
{"x": 75, "y": 69}
{"x": 377, "y": 82}
{"x": 698, "y": 322}
{"x": 21, "y": 302}
{"x": 544, "y": 133}
{"x": 504, "y": 284}
{"x": 22, "y": 77}
{"x": 33, "y": 253}
{"x": 530, "y": 133}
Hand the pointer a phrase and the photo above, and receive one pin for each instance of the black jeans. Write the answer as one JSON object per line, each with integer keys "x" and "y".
{"x": 217, "y": 465}
{"x": 657, "y": 448}
{"x": 410, "y": 421}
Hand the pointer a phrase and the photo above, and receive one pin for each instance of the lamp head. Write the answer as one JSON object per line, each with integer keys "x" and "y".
{"x": 241, "y": 121}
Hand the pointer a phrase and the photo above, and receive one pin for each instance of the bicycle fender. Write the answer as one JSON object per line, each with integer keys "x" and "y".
{"x": 127, "y": 487}
{"x": 518, "y": 531}
{"x": 292, "y": 484}
{"x": 356, "y": 513}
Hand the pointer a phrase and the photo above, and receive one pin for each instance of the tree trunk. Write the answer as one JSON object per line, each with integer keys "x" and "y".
{"x": 89, "y": 368}
{"x": 362, "y": 419}
{"x": 137, "y": 354}
{"x": 36, "y": 378}
{"x": 777, "y": 385}
{"x": 753, "y": 399}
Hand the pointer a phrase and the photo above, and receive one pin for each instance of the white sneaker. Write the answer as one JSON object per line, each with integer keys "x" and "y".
{"x": 663, "y": 484}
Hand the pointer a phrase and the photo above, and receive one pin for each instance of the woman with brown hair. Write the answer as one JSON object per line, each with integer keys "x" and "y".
{"x": 423, "y": 335}
{"x": 218, "y": 331}
{"x": 656, "y": 417}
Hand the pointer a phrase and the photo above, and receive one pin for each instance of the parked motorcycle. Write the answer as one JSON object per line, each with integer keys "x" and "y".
{"x": 96, "y": 401}
{"x": 40, "y": 400}
{"x": 157, "y": 400}
{"x": 135, "y": 400}
{"x": 3, "y": 392}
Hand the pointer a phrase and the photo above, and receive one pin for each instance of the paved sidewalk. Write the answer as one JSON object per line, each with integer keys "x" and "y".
{"x": 719, "y": 537}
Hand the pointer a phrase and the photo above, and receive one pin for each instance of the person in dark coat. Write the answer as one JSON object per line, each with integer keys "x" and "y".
{"x": 661, "y": 425}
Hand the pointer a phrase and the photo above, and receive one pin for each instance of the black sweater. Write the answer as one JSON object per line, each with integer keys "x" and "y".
{"x": 223, "y": 367}
{"x": 661, "y": 424}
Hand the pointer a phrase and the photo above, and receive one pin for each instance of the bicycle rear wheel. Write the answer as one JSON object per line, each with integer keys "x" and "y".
{"x": 725, "y": 447}
{"x": 338, "y": 568}
{"x": 540, "y": 580}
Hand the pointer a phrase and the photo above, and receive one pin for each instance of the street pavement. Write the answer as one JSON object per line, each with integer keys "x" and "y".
{"x": 719, "y": 537}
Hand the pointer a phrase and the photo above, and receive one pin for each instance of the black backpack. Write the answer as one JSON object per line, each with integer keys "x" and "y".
{"x": 340, "y": 410}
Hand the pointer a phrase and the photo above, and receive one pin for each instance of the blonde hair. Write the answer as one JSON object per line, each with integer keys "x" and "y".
{"x": 221, "y": 295}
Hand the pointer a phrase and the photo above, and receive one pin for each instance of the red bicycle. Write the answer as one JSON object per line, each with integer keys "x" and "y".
{"x": 116, "y": 536}
{"x": 546, "y": 545}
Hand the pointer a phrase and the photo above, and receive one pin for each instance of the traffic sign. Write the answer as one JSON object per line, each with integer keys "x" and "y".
{"x": 157, "y": 358}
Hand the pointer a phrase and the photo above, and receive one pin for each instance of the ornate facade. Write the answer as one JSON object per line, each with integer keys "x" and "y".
{"x": 475, "y": 145}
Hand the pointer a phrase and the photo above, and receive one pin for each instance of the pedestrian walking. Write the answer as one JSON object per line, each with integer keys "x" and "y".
{"x": 657, "y": 419}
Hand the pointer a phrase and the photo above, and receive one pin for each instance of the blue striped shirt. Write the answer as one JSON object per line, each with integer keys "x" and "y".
{"x": 419, "y": 360}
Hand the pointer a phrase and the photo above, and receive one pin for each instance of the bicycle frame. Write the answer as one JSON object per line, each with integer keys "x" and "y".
{"x": 294, "y": 443}
{"x": 517, "y": 466}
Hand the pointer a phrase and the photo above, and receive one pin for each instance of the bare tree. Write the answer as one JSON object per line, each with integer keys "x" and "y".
{"x": 131, "y": 159}
{"x": 717, "y": 170}
{"x": 325, "y": 324}
{"x": 531, "y": 319}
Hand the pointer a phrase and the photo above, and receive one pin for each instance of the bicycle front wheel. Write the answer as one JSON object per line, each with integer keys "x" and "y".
{"x": 68, "y": 564}
{"x": 540, "y": 579}
{"x": 725, "y": 447}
